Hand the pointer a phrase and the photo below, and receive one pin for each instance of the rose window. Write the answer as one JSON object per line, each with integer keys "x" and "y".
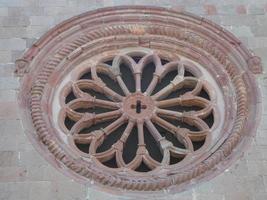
{"x": 138, "y": 99}
{"x": 161, "y": 110}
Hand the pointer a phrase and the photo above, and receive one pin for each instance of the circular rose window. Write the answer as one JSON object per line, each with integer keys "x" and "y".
{"x": 133, "y": 99}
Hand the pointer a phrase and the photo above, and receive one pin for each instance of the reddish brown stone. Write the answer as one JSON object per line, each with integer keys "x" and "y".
{"x": 210, "y": 9}
{"x": 54, "y": 65}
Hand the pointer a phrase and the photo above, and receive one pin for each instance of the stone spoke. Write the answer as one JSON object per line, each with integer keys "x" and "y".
{"x": 114, "y": 125}
{"x": 152, "y": 129}
{"x": 127, "y": 131}
{"x": 88, "y": 119}
{"x": 178, "y": 132}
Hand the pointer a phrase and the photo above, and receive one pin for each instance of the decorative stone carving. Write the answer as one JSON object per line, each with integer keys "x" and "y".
{"x": 218, "y": 62}
{"x": 21, "y": 67}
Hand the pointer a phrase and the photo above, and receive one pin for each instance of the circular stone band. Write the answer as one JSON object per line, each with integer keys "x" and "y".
{"x": 164, "y": 30}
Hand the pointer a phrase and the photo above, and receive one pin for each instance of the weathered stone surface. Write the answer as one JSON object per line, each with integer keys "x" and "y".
{"x": 249, "y": 17}
{"x": 12, "y": 44}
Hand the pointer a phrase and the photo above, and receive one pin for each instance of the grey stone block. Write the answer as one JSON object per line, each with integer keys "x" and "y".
{"x": 42, "y": 20}
{"x": 5, "y": 56}
{"x": 12, "y": 44}
{"x": 8, "y": 158}
{"x": 41, "y": 190}
{"x": 8, "y": 83}
{"x": 12, "y": 32}
{"x": 14, "y": 191}
{"x": 25, "y": 11}
{"x": 15, "y": 21}
{"x": 255, "y": 9}
{"x": 3, "y": 11}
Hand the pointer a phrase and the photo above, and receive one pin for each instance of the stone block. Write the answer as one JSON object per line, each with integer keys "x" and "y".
{"x": 31, "y": 158}
{"x": 241, "y": 9}
{"x": 255, "y": 9}
{"x": 16, "y": 54}
{"x": 10, "y": 174}
{"x": 236, "y": 20}
{"x": 260, "y": 196}
{"x": 52, "y": 174}
{"x": 9, "y": 135}
{"x": 14, "y": 191}
{"x": 12, "y": 32}
{"x": 15, "y": 21}
{"x": 25, "y": 11}
{"x": 6, "y": 70}
{"x": 12, "y": 44}
{"x": 198, "y": 10}
{"x": 8, "y": 110}
{"x": 257, "y": 42}
{"x": 35, "y": 31}
{"x": 41, "y": 190}
{"x": 3, "y": 11}
{"x": 53, "y": 3}
{"x": 75, "y": 190}
{"x": 8, "y": 83}
{"x": 8, "y": 95}
{"x": 210, "y": 9}
{"x": 210, "y": 196}
{"x": 5, "y": 56}
{"x": 30, "y": 42}
{"x": 9, "y": 158}
{"x": 226, "y": 10}
{"x": 35, "y": 173}
{"x": 240, "y": 31}
{"x": 41, "y": 20}
{"x": 254, "y": 168}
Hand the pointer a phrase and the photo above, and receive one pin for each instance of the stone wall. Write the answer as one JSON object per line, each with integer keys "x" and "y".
{"x": 24, "y": 174}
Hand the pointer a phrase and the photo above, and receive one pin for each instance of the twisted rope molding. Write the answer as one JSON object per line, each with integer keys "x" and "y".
{"x": 156, "y": 28}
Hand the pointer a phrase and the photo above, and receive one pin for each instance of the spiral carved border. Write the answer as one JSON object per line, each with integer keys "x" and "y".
{"x": 162, "y": 29}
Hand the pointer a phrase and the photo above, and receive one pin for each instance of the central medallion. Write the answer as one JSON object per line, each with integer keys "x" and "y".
{"x": 138, "y": 106}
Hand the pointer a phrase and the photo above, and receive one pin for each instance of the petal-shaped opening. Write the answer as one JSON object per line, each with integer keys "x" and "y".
{"x": 198, "y": 144}
{"x": 112, "y": 84}
{"x": 169, "y": 136}
{"x": 96, "y": 126}
{"x": 83, "y": 147}
{"x": 152, "y": 146}
{"x": 164, "y": 61}
{"x": 147, "y": 75}
{"x": 70, "y": 97}
{"x": 165, "y": 81}
{"x": 142, "y": 168}
{"x": 86, "y": 75}
{"x": 130, "y": 146}
{"x": 174, "y": 159}
{"x": 112, "y": 163}
{"x": 69, "y": 123}
{"x": 187, "y": 73}
{"x": 209, "y": 120}
{"x": 204, "y": 94}
{"x": 111, "y": 139}
{"x": 137, "y": 58}
{"x": 127, "y": 77}
{"x": 96, "y": 94}
{"x": 178, "y": 123}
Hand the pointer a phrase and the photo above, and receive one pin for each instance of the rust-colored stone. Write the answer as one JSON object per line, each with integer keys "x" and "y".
{"x": 219, "y": 62}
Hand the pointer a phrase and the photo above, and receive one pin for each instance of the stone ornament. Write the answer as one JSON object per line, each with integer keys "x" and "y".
{"x": 200, "y": 106}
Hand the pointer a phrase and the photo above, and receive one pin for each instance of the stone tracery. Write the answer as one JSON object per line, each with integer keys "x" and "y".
{"x": 153, "y": 109}
{"x": 223, "y": 60}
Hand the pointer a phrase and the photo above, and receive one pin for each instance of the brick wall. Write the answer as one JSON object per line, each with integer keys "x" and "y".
{"x": 24, "y": 174}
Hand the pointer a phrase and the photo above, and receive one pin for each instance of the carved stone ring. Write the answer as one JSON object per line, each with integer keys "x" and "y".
{"x": 139, "y": 100}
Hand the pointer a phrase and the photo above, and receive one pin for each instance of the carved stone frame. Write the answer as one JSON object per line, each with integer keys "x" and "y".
{"x": 164, "y": 30}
